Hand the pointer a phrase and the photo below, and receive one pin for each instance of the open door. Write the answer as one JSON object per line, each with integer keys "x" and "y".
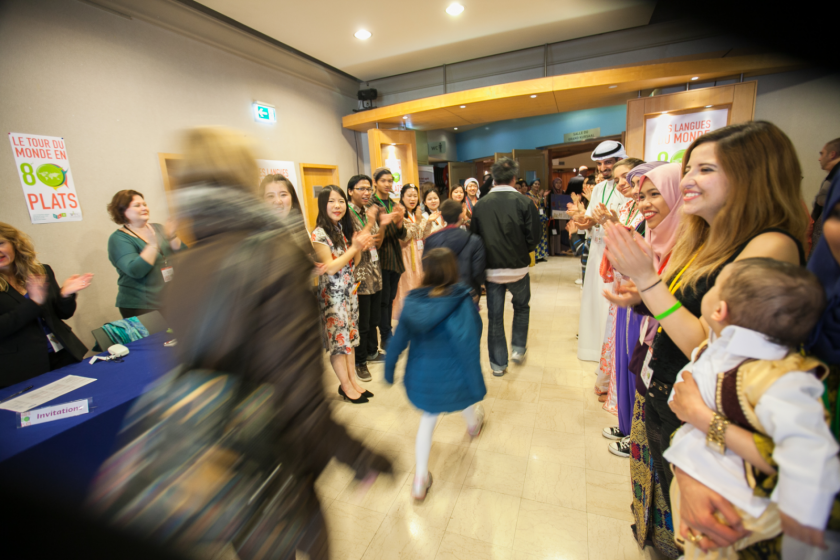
{"x": 315, "y": 177}
{"x": 531, "y": 165}
{"x": 459, "y": 172}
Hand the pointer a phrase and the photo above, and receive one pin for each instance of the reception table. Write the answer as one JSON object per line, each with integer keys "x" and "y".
{"x": 61, "y": 457}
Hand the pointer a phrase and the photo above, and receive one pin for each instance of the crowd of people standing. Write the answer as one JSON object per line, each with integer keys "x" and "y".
{"x": 716, "y": 348}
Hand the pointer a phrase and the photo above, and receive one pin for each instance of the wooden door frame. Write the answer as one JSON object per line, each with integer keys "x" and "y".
{"x": 738, "y": 98}
{"x": 309, "y": 199}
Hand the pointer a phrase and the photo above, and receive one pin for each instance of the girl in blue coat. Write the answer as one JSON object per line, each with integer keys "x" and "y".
{"x": 443, "y": 373}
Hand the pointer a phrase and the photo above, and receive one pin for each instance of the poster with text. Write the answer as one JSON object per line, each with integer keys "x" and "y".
{"x": 284, "y": 168}
{"x": 667, "y": 136}
{"x": 396, "y": 170}
{"x": 44, "y": 171}
{"x": 427, "y": 174}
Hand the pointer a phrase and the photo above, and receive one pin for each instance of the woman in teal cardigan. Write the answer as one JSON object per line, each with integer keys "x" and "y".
{"x": 141, "y": 252}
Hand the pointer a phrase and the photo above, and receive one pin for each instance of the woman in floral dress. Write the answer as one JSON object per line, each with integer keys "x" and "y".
{"x": 538, "y": 197}
{"x": 337, "y": 287}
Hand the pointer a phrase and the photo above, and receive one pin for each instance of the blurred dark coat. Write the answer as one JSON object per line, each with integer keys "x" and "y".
{"x": 280, "y": 340}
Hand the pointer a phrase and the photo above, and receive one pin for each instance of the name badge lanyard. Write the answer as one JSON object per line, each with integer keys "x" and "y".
{"x": 166, "y": 270}
{"x": 388, "y": 208}
{"x": 603, "y": 192}
{"x": 632, "y": 214}
{"x": 675, "y": 284}
{"x": 363, "y": 220}
{"x": 374, "y": 255}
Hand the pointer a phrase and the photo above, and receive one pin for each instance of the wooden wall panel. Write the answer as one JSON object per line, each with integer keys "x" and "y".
{"x": 743, "y": 102}
{"x": 564, "y": 93}
{"x": 406, "y": 141}
{"x": 739, "y": 98}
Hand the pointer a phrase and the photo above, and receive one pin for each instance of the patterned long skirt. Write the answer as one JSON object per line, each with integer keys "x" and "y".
{"x": 606, "y": 365}
{"x": 542, "y": 247}
{"x": 653, "y": 523}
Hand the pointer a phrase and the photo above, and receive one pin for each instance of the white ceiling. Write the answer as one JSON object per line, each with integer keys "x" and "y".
{"x": 412, "y": 35}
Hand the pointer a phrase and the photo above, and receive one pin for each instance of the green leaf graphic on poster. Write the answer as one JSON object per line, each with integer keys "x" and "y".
{"x": 677, "y": 157}
{"x": 396, "y": 177}
{"x": 51, "y": 175}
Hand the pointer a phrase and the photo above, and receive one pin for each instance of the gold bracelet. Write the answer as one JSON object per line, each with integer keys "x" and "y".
{"x": 716, "y": 438}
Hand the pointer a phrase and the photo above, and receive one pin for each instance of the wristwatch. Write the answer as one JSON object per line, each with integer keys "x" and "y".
{"x": 716, "y": 438}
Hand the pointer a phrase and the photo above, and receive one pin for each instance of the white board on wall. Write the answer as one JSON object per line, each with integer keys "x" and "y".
{"x": 44, "y": 171}
{"x": 667, "y": 136}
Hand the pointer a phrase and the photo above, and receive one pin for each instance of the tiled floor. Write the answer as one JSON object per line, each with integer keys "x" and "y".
{"x": 538, "y": 483}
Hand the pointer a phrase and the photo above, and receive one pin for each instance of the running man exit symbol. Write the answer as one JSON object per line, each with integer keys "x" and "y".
{"x": 264, "y": 112}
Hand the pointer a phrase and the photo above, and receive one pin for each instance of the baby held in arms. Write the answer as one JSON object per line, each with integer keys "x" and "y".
{"x": 759, "y": 438}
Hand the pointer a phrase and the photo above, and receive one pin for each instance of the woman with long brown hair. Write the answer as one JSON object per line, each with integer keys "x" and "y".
{"x": 337, "y": 245}
{"x": 418, "y": 228}
{"x": 741, "y": 199}
{"x": 33, "y": 336}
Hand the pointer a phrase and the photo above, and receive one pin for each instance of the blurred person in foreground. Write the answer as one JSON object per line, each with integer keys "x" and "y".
{"x": 280, "y": 339}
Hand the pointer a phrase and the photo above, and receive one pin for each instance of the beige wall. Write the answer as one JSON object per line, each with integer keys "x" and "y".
{"x": 806, "y": 105}
{"x": 119, "y": 91}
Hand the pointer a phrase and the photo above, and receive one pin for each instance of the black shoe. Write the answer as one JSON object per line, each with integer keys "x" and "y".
{"x": 363, "y": 373}
{"x": 361, "y": 400}
{"x": 377, "y": 358}
{"x": 613, "y": 433}
{"x": 621, "y": 447}
{"x": 367, "y": 394}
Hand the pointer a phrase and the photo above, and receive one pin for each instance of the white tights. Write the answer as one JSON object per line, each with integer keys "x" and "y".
{"x": 423, "y": 446}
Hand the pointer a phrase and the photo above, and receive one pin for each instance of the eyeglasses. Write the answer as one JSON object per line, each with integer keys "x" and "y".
{"x": 363, "y": 189}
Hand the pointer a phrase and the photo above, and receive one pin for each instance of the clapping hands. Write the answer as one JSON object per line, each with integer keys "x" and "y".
{"x": 75, "y": 283}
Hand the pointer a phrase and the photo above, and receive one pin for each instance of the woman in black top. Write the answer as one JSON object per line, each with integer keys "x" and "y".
{"x": 739, "y": 202}
{"x": 33, "y": 337}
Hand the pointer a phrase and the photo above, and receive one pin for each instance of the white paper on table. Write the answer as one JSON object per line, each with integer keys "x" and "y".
{"x": 46, "y": 393}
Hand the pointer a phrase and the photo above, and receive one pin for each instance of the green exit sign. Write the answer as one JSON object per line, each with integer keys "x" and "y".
{"x": 263, "y": 112}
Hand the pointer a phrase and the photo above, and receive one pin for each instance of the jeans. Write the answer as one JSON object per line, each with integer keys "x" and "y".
{"x": 369, "y": 310}
{"x": 660, "y": 423}
{"x": 496, "y": 342}
{"x": 390, "y": 283}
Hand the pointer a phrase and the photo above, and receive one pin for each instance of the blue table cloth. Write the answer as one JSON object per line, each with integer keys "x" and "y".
{"x": 62, "y": 457}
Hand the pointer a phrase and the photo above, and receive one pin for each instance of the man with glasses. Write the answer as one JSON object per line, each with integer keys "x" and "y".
{"x": 368, "y": 273}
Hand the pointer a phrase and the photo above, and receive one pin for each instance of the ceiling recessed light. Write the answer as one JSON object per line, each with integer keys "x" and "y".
{"x": 393, "y": 144}
{"x": 463, "y": 106}
{"x": 362, "y": 34}
{"x": 707, "y": 106}
{"x": 456, "y": 128}
{"x": 664, "y": 112}
{"x": 454, "y": 9}
{"x": 695, "y": 78}
{"x": 405, "y": 117}
{"x": 533, "y": 96}
{"x": 613, "y": 87}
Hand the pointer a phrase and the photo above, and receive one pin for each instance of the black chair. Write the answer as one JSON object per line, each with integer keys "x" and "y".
{"x": 154, "y": 323}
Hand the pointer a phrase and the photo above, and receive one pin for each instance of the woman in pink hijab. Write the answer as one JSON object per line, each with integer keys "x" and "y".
{"x": 660, "y": 202}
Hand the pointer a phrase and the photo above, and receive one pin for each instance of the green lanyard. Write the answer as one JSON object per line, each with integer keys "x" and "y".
{"x": 632, "y": 215}
{"x": 383, "y": 203}
{"x": 609, "y": 197}
{"x": 364, "y": 222}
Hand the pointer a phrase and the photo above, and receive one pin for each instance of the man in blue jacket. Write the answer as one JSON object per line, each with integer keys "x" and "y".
{"x": 468, "y": 247}
{"x": 509, "y": 224}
